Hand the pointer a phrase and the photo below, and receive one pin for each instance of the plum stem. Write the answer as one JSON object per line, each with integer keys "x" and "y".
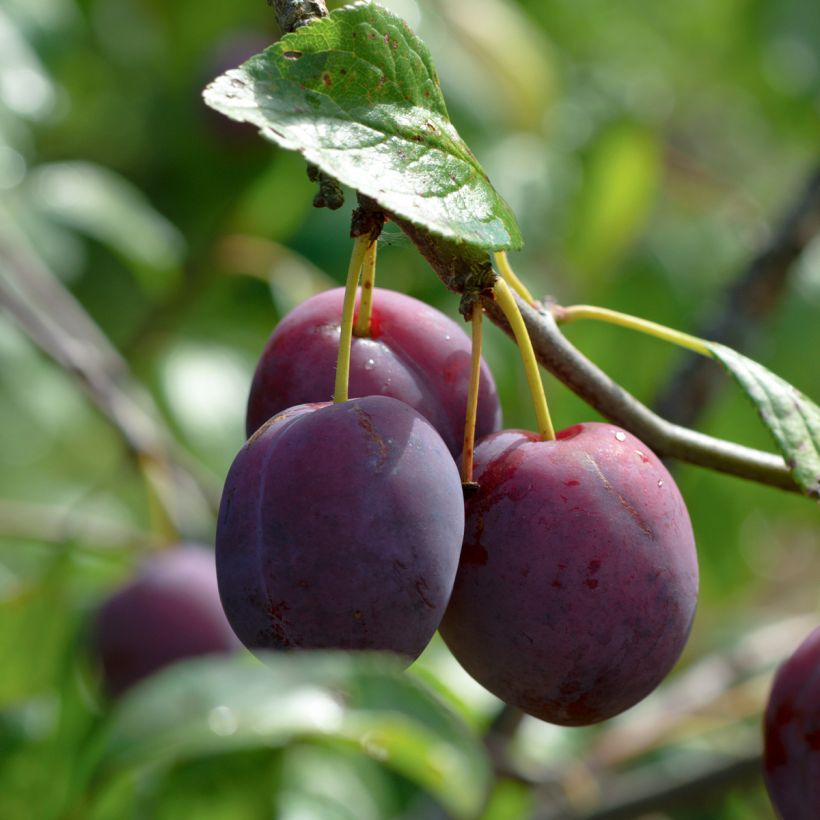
{"x": 506, "y": 301}
{"x": 472, "y": 396}
{"x": 510, "y": 277}
{"x": 360, "y": 245}
{"x": 158, "y": 486}
{"x": 614, "y": 317}
{"x": 362, "y": 326}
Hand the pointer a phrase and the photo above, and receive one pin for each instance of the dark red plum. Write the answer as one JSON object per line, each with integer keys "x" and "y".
{"x": 170, "y": 611}
{"x": 578, "y": 577}
{"x": 340, "y": 528}
{"x": 414, "y": 353}
{"x": 791, "y": 759}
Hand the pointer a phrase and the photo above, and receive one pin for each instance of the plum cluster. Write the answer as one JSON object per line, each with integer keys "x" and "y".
{"x": 341, "y": 524}
{"x": 566, "y": 584}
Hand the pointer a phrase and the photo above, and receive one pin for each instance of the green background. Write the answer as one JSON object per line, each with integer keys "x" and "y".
{"x": 647, "y": 150}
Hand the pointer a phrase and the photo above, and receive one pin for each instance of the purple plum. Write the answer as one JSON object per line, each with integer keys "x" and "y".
{"x": 578, "y": 577}
{"x": 340, "y": 527}
{"x": 170, "y": 611}
{"x": 414, "y": 353}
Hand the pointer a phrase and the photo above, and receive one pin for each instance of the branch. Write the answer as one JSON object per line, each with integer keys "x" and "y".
{"x": 746, "y": 302}
{"x": 467, "y": 270}
{"x": 51, "y": 317}
{"x": 292, "y": 14}
{"x": 37, "y": 522}
{"x": 643, "y": 793}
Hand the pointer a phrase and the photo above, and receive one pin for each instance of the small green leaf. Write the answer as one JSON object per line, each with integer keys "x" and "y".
{"x": 357, "y": 94}
{"x": 211, "y": 706}
{"x": 792, "y": 418}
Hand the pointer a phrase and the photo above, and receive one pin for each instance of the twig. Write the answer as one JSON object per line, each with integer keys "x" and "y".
{"x": 644, "y": 792}
{"x": 745, "y": 304}
{"x": 291, "y": 14}
{"x": 498, "y": 737}
{"x": 36, "y": 300}
{"x": 36, "y": 522}
{"x": 461, "y": 268}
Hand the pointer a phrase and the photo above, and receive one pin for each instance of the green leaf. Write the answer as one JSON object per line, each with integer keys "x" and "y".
{"x": 107, "y": 207}
{"x": 34, "y": 631}
{"x": 357, "y": 94}
{"x": 792, "y": 418}
{"x": 210, "y": 706}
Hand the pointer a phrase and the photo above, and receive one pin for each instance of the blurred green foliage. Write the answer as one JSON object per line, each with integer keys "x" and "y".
{"x": 647, "y": 150}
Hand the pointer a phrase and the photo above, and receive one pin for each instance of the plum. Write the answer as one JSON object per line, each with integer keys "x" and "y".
{"x": 578, "y": 576}
{"x": 170, "y": 611}
{"x": 340, "y": 527}
{"x": 791, "y": 759}
{"x": 414, "y": 353}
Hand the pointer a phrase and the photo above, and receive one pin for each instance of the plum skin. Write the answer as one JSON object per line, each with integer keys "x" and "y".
{"x": 340, "y": 527}
{"x": 168, "y": 612}
{"x": 791, "y": 758}
{"x": 578, "y": 578}
{"x": 414, "y": 353}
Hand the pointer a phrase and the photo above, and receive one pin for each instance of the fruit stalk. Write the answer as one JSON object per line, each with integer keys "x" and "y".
{"x": 511, "y": 278}
{"x": 614, "y": 317}
{"x": 360, "y": 246}
{"x": 362, "y": 326}
{"x": 158, "y": 487}
{"x": 506, "y": 301}
{"x": 472, "y": 397}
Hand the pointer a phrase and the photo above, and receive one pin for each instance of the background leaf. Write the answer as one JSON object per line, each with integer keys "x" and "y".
{"x": 357, "y": 94}
{"x": 99, "y": 203}
{"x": 212, "y": 706}
{"x": 33, "y": 631}
{"x": 792, "y": 418}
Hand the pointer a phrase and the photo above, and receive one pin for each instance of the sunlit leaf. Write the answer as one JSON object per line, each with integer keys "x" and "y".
{"x": 319, "y": 781}
{"x": 357, "y": 94}
{"x": 792, "y": 418}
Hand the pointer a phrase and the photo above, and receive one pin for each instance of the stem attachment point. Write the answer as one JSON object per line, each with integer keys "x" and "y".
{"x": 510, "y": 277}
{"x": 362, "y": 326}
{"x": 360, "y": 246}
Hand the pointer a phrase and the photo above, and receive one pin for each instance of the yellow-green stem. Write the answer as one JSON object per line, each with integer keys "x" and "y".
{"x": 509, "y": 276}
{"x": 362, "y": 326}
{"x": 472, "y": 398}
{"x": 506, "y": 301}
{"x": 567, "y": 314}
{"x": 346, "y": 335}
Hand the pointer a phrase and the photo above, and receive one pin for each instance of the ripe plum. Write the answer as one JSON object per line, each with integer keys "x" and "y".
{"x": 170, "y": 611}
{"x": 791, "y": 759}
{"x": 578, "y": 577}
{"x": 414, "y": 353}
{"x": 340, "y": 527}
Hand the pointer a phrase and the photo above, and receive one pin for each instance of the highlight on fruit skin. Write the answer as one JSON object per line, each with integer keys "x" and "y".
{"x": 578, "y": 578}
{"x": 414, "y": 353}
{"x": 791, "y": 739}
{"x": 170, "y": 611}
{"x": 340, "y": 527}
